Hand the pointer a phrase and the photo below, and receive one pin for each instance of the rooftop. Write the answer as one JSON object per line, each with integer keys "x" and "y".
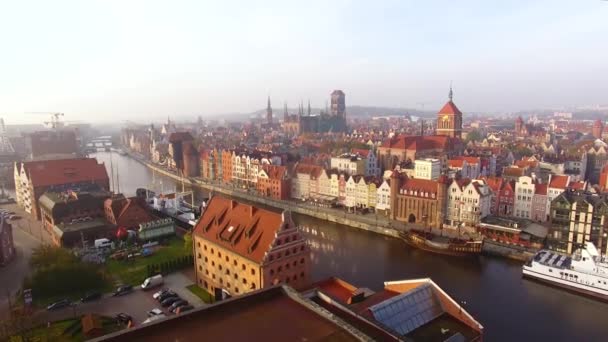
{"x": 65, "y": 171}
{"x": 273, "y": 314}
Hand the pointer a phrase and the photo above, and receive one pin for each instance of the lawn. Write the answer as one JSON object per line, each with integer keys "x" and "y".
{"x": 57, "y": 331}
{"x": 201, "y": 293}
{"x": 134, "y": 271}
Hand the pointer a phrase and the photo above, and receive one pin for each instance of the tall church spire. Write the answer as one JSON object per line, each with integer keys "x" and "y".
{"x": 285, "y": 113}
{"x": 308, "y": 107}
{"x": 269, "y": 112}
{"x": 451, "y": 94}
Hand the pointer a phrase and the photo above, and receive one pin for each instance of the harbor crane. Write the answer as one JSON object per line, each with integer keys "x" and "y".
{"x": 55, "y": 122}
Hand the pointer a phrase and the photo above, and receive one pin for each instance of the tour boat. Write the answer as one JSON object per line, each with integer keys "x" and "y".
{"x": 586, "y": 271}
{"x": 440, "y": 244}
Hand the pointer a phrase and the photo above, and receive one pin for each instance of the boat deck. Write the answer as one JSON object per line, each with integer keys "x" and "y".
{"x": 552, "y": 259}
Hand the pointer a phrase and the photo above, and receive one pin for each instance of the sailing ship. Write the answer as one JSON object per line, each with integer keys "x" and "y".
{"x": 430, "y": 242}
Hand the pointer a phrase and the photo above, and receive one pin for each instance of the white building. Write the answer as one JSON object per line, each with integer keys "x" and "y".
{"x": 468, "y": 202}
{"x": 352, "y": 164}
{"x": 371, "y": 166}
{"x": 524, "y": 192}
{"x": 427, "y": 168}
{"x": 302, "y": 182}
{"x": 383, "y": 200}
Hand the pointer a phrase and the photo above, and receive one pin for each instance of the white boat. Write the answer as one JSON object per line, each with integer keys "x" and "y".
{"x": 586, "y": 271}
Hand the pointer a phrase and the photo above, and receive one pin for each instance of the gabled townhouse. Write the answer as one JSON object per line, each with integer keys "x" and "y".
{"x": 469, "y": 167}
{"x": 371, "y": 168}
{"x": 524, "y": 191}
{"x": 468, "y": 201}
{"x": 383, "y": 200}
{"x": 350, "y": 200}
{"x": 304, "y": 180}
{"x": 273, "y": 181}
{"x": 556, "y": 185}
{"x": 540, "y": 203}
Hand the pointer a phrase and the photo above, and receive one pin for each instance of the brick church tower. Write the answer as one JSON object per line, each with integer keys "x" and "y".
{"x": 449, "y": 119}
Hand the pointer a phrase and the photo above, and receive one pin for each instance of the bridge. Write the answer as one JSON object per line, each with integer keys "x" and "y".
{"x": 103, "y": 143}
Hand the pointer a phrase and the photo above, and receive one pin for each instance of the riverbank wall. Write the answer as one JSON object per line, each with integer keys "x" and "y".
{"x": 284, "y": 205}
{"x": 489, "y": 247}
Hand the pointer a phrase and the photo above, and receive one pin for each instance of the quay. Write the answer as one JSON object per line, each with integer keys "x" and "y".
{"x": 373, "y": 223}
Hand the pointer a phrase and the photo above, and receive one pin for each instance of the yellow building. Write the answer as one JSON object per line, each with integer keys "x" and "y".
{"x": 241, "y": 248}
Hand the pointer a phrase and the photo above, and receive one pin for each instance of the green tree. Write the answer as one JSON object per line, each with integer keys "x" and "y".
{"x": 474, "y": 135}
{"x": 188, "y": 242}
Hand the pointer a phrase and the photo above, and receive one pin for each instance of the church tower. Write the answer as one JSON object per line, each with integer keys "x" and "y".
{"x": 269, "y": 113}
{"x": 449, "y": 119}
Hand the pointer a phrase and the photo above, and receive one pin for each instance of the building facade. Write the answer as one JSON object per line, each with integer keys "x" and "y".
{"x": 240, "y": 248}
{"x": 418, "y": 201}
{"x": 429, "y": 168}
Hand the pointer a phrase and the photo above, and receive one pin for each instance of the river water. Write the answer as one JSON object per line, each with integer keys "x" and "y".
{"x": 491, "y": 289}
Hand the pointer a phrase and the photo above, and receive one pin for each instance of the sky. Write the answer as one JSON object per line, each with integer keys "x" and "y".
{"x": 111, "y": 61}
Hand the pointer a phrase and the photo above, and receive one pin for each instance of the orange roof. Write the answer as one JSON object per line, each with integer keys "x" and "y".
{"x": 455, "y": 163}
{"x": 417, "y": 184}
{"x": 336, "y": 288}
{"x": 65, "y": 171}
{"x": 495, "y": 183}
{"x": 469, "y": 160}
{"x": 559, "y": 181}
{"x": 450, "y": 109}
{"x": 513, "y": 171}
{"x": 276, "y": 172}
{"x": 313, "y": 170}
{"x": 244, "y": 229}
{"x": 361, "y": 151}
{"x": 541, "y": 189}
{"x": 418, "y": 143}
{"x": 576, "y": 185}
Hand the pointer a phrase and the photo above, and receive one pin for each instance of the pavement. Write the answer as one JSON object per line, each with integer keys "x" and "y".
{"x": 136, "y": 304}
{"x": 28, "y": 234}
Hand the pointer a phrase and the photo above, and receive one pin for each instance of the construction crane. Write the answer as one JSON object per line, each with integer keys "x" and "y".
{"x": 55, "y": 122}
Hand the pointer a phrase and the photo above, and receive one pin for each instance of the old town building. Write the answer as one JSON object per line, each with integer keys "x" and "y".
{"x": 524, "y": 191}
{"x": 429, "y": 168}
{"x": 71, "y": 206}
{"x": 273, "y": 181}
{"x": 408, "y": 148}
{"x": 468, "y": 201}
{"x": 577, "y": 217}
{"x": 240, "y": 248}
{"x": 418, "y": 201}
{"x": 34, "y": 178}
{"x": 449, "y": 119}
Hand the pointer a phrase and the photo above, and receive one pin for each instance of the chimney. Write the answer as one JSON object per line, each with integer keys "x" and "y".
{"x": 233, "y": 204}
{"x": 252, "y": 210}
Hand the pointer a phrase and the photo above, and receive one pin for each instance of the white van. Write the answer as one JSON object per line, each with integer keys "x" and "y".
{"x": 152, "y": 282}
{"x": 104, "y": 243}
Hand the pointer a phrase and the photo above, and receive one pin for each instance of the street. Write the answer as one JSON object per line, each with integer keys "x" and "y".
{"x": 27, "y": 235}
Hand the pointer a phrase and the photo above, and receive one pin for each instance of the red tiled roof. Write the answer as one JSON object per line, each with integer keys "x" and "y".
{"x": 129, "y": 212}
{"x": 276, "y": 172}
{"x": 450, "y": 109}
{"x": 541, "y": 189}
{"x": 576, "y": 185}
{"x": 559, "y": 181}
{"x": 417, "y": 184}
{"x": 495, "y": 183}
{"x": 418, "y": 143}
{"x": 469, "y": 160}
{"x": 455, "y": 163}
{"x": 513, "y": 171}
{"x": 65, "y": 171}
{"x": 313, "y": 170}
{"x": 244, "y": 229}
{"x": 336, "y": 288}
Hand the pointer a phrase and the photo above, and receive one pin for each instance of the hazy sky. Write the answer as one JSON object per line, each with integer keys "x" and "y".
{"x": 113, "y": 60}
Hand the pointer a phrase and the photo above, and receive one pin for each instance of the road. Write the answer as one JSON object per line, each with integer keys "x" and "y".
{"x": 27, "y": 235}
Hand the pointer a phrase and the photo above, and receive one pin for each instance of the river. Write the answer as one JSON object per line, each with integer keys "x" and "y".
{"x": 510, "y": 308}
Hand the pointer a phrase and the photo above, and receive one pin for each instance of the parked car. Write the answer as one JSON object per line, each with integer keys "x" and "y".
{"x": 177, "y": 304}
{"x": 166, "y": 295}
{"x": 122, "y": 290}
{"x": 155, "y": 312}
{"x": 184, "y": 308}
{"x": 59, "y": 304}
{"x": 169, "y": 301}
{"x": 123, "y": 318}
{"x": 160, "y": 293}
{"x": 90, "y": 296}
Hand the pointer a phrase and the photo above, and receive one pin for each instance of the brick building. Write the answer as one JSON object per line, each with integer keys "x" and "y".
{"x": 240, "y": 248}
{"x": 71, "y": 206}
{"x": 127, "y": 212}
{"x": 34, "y": 178}
{"x": 418, "y": 201}
{"x": 273, "y": 181}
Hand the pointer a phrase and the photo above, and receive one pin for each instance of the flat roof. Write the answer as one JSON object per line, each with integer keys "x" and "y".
{"x": 273, "y": 314}
{"x": 94, "y": 223}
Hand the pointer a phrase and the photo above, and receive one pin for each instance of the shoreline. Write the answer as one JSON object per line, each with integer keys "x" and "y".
{"x": 489, "y": 247}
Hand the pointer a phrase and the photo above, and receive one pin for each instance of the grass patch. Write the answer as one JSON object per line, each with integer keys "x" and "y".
{"x": 57, "y": 331}
{"x": 134, "y": 271}
{"x": 201, "y": 293}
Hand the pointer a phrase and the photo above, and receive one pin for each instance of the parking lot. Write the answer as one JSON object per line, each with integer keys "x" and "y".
{"x": 136, "y": 304}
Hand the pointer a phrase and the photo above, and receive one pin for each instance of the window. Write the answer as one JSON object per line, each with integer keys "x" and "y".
{"x": 198, "y": 244}
{"x": 302, "y": 275}
{"x": 280, "y": 269}
{"x": 228, "y": 285}
{"x": 206, "y": 260}
{"x": 220, "y": 266}
{"x": 199, "y": 255}
{"x": 227, "y": 271}
{"x": 252, "y": 271}
{"x": 244, "y": 281}
{"x": 295, "y": 263}
{"x": 271, "y": 272}
{"x": 302, "y": 261}
{"x": 236, "y": 276}
{"x": 211, "y": 251}
{"x": 200, "y": 268}
{"x": 227, "y": 259}
{"x": 219, "y": 254}
{"x": 244, "y": 267}
{"x": 213, "y": 263}
{"x": 221, "y": 281}
{"x": 235, "y": 262}
{"x": 236, "y": 289}
{"x": 206, "y": 272}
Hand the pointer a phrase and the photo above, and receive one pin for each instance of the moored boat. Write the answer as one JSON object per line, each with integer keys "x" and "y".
{"x": 442, "y": 245}
{"x": 585, "y": 271}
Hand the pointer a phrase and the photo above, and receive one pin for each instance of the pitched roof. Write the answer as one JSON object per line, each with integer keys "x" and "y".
{"x": 559, "y": 181}
{"x": 450, "y": 109}
{"x": 417, "y": 184}
{"x": 244, "y": 229}
{"x": 513, "y": 171}
{"x": 313, "y": 170}
{"x": 276, "y": 172}
{"x": 65, "y": 171}
{"x": 469, "y": 160}
{"x": 541, "y": 189}
{"x": 455, "y": 163}
{"x": 337, "y": 92}
{"x": 128, "y": 212}
{"x": 418, "y": 143}
{"x": 361, "y": 151}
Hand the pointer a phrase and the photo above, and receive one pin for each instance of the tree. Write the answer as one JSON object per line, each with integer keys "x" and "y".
{"x": 188, "y": 242}
{"x": 474, "y": 135}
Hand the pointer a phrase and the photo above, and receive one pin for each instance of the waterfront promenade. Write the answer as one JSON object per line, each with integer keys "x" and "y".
{"x": 374, "y": 222}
